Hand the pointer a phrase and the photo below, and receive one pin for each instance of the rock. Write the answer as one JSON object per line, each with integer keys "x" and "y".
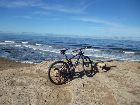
{"x": 101, "y": 66}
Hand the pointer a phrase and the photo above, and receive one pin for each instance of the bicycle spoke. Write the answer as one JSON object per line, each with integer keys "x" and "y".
{"x": 88, "y": 66}
{"x": 57, "y": 72}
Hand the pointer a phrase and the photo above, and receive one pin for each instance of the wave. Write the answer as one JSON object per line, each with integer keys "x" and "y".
{"x": 18, "y": 45}
{"x": 10, "y": 42}
{"x": 2, "y": 43}
{"x": 37, "y": 52}
{"x": 25, "y": 42}
{"x": 41, "y": 47}
{"x": 92, "y": 50}
{"x": 129, "y": 52}
{"x": 30, "y": 62}
{"x": 7, "y": 42}
{"x": 38, "y": 44}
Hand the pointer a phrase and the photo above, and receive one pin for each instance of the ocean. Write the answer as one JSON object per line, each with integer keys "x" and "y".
{"x": 35, "y": 49}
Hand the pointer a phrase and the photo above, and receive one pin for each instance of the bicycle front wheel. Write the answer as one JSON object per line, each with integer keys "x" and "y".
{"x": 87, "y": 66}
{"x": 57, "y": 72}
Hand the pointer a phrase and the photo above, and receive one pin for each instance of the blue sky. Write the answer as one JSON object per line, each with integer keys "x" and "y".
{"x": 72, "y": 17}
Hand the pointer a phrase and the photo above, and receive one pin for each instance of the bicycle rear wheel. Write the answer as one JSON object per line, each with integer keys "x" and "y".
{"x": 87, "y": 66}
{"x": 57, "y": 72}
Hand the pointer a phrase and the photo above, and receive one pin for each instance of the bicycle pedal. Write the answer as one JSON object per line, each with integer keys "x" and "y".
{"x": 81, "y": 77}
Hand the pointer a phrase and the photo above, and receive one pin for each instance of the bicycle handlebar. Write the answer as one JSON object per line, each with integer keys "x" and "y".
{"x": 80, "y": 49}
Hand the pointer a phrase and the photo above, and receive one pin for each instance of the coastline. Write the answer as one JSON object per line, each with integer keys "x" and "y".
{"x": 22, "y": 83}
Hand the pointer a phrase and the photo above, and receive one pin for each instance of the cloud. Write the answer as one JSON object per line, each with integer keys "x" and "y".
{"x": 61, "y": 8}
{"x": 18, "y": 3}
{"x": 80, "y": 7}
{"x": 41, "y": 13}
{"x": 25, "y": 17}
{"x": 97, "y": 21}
{"x": 126, "y": 30}
{"x": 105, "y": 27}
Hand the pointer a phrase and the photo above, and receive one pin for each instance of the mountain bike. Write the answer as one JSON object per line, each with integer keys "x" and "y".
{"x": 60, "y": 71}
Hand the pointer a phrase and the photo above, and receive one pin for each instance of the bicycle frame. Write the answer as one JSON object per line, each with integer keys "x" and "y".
{"x": 69, "y": 60}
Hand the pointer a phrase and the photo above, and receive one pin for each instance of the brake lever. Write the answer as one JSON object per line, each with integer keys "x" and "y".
{"x": 75, "y": 50}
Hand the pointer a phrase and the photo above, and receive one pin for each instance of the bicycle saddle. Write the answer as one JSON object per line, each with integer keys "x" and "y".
{"x": 63, "y": 51}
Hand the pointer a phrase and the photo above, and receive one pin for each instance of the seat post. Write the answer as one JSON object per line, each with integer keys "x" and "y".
{"x": 66, "y": 57}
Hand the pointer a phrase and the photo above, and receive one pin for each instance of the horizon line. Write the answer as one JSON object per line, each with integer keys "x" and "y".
{"x": 72, "y": 35}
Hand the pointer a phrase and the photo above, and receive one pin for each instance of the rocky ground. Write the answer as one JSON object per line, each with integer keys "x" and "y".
{"x": 29, "y": 85}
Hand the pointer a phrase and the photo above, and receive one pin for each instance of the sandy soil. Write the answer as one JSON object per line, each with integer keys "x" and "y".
{"x": 10, "y": 64}
{"x": 30, "y": 86}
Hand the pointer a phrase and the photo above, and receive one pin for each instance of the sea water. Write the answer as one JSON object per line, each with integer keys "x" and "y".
{"x": 35, "y": 49}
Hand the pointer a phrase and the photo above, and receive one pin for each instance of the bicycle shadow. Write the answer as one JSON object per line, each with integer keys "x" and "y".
{"x": 90, "y": 73}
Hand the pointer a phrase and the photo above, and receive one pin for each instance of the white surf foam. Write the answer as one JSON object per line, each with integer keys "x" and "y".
{"x": 17, "y": 45}
{"x": 11, "y": 42}
{"x": 38, "y": 44}
{"x": 24, "y": 42}
{"x": 92, "y": 50}
{"x": 129, "y": 52}
{"x": 30, "y": 62}
{"x": 2, "y": 43}
{"x": 45, "y": 48}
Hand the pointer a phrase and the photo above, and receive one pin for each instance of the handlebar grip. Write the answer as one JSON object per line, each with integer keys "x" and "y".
{"x": 78, "y": 49}
{"x": 75, "y": 50}
{"x": 63, "y": 51}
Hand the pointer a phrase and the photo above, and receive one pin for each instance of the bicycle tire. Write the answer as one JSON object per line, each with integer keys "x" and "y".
{"x": 61, "y": 72}
{"x": 87, "y": 66}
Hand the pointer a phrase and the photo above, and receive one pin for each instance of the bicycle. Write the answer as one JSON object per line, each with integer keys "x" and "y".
{"x": 60, "y": 71}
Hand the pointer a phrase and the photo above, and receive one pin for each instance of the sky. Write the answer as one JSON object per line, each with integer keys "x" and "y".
{"x": 72, "y": 17}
